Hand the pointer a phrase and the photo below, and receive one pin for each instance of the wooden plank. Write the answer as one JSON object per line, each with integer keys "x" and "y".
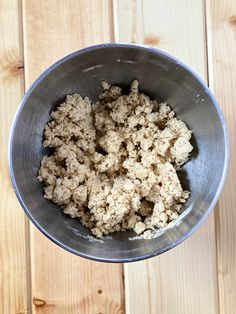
{"x": 221, "y": 33}
{"x": 183, "y": 280}
{"x": 62, "y": 282}
{"x": 12, "y": 219}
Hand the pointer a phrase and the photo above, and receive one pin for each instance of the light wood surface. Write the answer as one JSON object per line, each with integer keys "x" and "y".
{"x": 182, "y": 280}
{"x": 36, "y": 276}
{"x": 61, "y": 282}
{"x": 13, "y": 278}
{"x": 221, "y": 26}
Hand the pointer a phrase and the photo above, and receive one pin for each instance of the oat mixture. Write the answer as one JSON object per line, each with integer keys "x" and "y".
{"x": 115, "y": 162}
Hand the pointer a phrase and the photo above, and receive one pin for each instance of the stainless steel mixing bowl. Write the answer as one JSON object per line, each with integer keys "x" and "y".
{"x": 163, "y": 78}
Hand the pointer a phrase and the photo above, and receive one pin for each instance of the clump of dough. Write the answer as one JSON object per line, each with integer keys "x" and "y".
{"x": 114, "y": 163}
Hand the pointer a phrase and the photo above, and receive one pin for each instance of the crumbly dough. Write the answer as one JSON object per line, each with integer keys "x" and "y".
{"x": 114, "y": 162}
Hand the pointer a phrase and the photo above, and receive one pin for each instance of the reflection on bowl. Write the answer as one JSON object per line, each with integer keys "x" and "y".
{"x": 163, "y": 78}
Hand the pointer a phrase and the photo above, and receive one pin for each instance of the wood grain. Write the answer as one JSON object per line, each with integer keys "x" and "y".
{"x": 61, "y": 282}
{"x": 13, "y": 285}
{"x": 221, "y": 22}
{"x": 183, "y": 280}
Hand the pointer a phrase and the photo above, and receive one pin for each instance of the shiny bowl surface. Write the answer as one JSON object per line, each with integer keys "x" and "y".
{"x": 160, "y": 76}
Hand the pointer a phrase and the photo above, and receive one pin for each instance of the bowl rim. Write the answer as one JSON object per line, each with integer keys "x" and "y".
{"x": 132, "y": 46}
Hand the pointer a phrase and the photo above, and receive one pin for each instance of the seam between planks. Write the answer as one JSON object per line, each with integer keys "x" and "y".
{"x": 206, "y": 39}
{"x": 26, "y": 220}
{"x": 210, "y": 84}
{"x": 112, "y": 21}
{"x": 208, "y": 45}
{"x": 115, "y": 24}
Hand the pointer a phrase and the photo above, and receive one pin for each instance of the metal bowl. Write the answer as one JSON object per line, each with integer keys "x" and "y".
{"x": 163, "y": 78}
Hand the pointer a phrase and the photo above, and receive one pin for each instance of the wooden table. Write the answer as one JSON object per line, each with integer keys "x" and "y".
{"x": 199, "y": 276}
